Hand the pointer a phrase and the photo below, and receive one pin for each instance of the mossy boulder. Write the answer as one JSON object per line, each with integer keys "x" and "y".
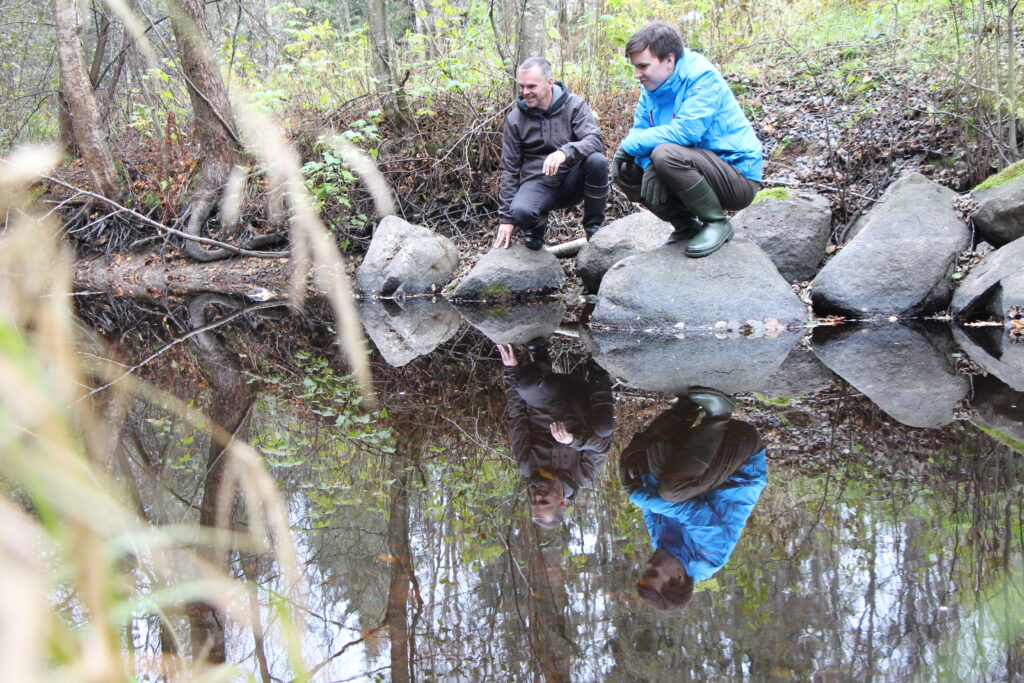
{"x": 1000, "y": 214}
{"x": 791, "y": 227}
{"x": 513, "y": 273}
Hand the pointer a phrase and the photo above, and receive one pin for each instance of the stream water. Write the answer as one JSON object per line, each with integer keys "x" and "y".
{"x": 879, "y": 537}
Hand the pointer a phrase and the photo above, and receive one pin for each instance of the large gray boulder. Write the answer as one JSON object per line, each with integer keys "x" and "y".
{"x": 995, "y": 285}
{"x": 672, "y": 364}
{"x": 906, "y": 371}
{"x": 994, "y": 352}
{"x": 1000, "y": 214}
{"x": 405, "y": 330}
{"x": 634, "y": 234}
{"x": 405, "y": 259}
{"x": 515, "y": 324}
{"x": 658, "y": 289}
{"x": 999, "y": 407}
{"x": 793, "y": 231}
{"x": 902, "y": 257}
{"x": 516, "y": 272}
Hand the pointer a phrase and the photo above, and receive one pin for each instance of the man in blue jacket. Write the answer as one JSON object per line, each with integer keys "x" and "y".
{"x": 696, "y": 474}
{"x": 691, "y": 152}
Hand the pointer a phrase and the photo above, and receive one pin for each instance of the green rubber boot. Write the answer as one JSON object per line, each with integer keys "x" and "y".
{"x": 717, "y": 230}
{"x": 683, "y": 229}
{"x": 717, "y": 405}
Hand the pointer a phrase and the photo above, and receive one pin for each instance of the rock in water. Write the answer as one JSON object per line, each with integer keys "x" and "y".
{"x": 993, "y": 351}
{"x": 793, "y": 231}
{"x": 902, "y": 256}
{"x": 515, "y": 324}
{"x": 905, "y": 370}
{"x": 405, "y": 259}
{"x": 634, "y": 234}
{"x": 661, "y": 288}
{"x": 515, "y": 272}
{"x": 672, "y": 364}
{"x": 995, "y": 285}
{"x": 405, "y": 330}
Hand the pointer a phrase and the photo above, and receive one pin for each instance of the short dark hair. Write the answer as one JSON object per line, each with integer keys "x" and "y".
{"x": 671, "y": 598}
{"x": 662, "y": 38}
{"x": 539, "y": 63}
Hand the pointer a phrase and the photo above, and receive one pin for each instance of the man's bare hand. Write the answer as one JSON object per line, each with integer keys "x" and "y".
{"x": 561, "y": 435}
{"x": 504, "y": 237}
{"x": 508, "y": 355}
{"x": 553, "y": 161}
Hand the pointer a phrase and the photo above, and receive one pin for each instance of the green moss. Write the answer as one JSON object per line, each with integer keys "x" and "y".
{"x": 1008, "y": 174}
{"x": 1002, "y": 437}
{"x": 779, "y": 194}
{"x": 494, "y": 291}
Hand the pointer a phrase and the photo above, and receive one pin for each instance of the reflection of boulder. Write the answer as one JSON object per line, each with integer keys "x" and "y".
{"x": 992, "y": 350}
{"x": 628, "y": 236}
{"x": 999, "y": 407}
{"x": 1000, "y": 214}
{"x": 404, "y": 330}
{"x": 901, "y": 256}
{"x": 514, "y": 272}
{"x": 792, "y": 231}
{"x": 515, "y": 324}
{"x": 673, "y": 365}
{"x": 737, "y": 283}
{"x": 995, "y": 284}
{"x": 905, "y": 370}
{"x": 801, "y": 374}
{"x": 405, "y": 259}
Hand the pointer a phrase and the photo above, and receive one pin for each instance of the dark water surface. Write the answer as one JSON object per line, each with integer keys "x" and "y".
{"x": 886, "y": 543}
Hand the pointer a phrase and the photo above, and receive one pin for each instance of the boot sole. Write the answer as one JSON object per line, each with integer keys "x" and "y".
{"x": 712, "y": 249}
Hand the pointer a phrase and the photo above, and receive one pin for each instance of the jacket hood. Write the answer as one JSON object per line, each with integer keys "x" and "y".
{"x": 556, "y": 104}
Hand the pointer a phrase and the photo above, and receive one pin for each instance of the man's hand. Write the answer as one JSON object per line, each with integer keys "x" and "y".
{"x": 508, "y": 355}
{"x": 553, "y": 161}
{"x": 504, "y": 237}
{"x": 652, "y": 189}
{"x": 617, "y": 161}
{"x": 558, "y": 431}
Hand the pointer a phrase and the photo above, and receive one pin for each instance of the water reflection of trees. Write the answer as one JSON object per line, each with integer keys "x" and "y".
{"x": 872, "y": 566}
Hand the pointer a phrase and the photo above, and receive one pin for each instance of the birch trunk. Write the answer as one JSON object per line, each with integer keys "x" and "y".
{"x": 77, "y": 91}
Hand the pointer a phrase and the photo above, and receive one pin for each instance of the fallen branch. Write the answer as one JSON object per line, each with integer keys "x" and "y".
{"x": 160, "y": 226}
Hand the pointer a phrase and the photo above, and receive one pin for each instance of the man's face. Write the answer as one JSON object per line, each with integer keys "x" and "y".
{"x": 662, "y": 570}
{"x": 651, "y": 71}
{"x": 546, "y": 496}
{"x": 535, "y": 89}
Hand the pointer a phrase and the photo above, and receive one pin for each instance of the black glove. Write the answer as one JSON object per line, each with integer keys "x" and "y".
{"x": 632, "y": 465}
{"x": 652, "y": 190}
{"x": 617, "y": 161}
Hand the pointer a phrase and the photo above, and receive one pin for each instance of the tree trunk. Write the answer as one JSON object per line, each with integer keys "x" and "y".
{"x": 530, "y": 40}
{"x": 77, "y": 90}
{"x": 214, "y": 122}
{"x": 384, "y": 67}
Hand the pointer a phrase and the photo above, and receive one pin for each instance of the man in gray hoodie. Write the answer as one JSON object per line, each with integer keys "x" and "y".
{"x": 552, "y": 157}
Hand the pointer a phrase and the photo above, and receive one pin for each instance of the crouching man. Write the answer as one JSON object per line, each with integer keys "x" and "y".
{"x": 691, "y": 151}
{"x": 552, "y": 157}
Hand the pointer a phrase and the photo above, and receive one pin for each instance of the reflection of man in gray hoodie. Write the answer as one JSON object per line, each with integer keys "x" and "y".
{"x": 552, "y": 156}
{"x": 560, "y": 426}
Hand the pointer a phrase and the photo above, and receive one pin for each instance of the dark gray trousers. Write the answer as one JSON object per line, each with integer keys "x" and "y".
{"x": 587, "y": 180}
{"x": 680, "y": 168}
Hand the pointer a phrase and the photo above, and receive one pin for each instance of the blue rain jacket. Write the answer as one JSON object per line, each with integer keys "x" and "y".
{"x": 694, "y": 108}
{"x": 702, "y": 532}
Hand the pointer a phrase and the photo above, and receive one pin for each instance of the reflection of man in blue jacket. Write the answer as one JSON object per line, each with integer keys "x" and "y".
{"x": 691, "y": 151}
{"x": 696, "y": 474}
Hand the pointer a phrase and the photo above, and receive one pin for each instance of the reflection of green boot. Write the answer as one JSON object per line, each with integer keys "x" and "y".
{"x": 703, "y": 202}
{"x": 683, "y": 229}
{"x": 717, "y": 405}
